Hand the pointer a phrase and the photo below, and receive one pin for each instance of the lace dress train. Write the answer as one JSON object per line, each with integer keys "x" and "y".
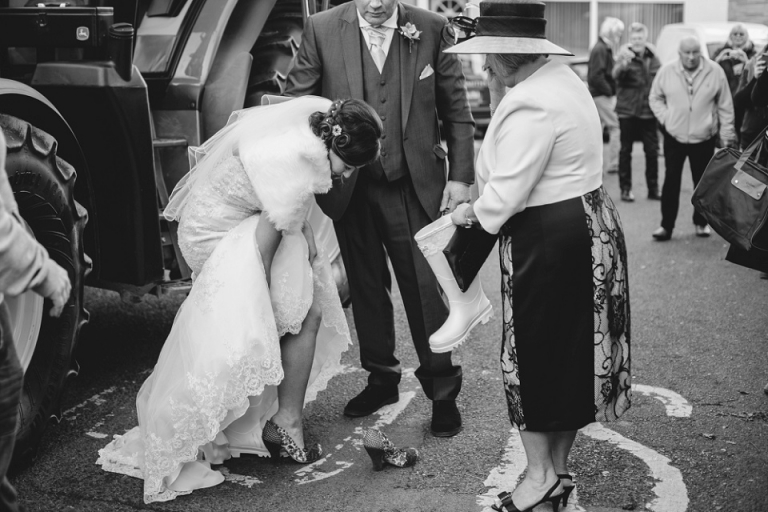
{"x": 214, "y": 385}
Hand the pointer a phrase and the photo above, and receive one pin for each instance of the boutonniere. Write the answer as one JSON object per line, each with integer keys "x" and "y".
{"x": 410, "y": 32}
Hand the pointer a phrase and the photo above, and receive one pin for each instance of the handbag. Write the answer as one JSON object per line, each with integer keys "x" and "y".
{"x": 466, "y": 252}
{"x": 731, "y": 196}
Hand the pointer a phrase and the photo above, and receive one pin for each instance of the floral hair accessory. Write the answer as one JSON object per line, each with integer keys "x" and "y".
{"x": 336, "y": 130}
{"x": 410, "y": 32}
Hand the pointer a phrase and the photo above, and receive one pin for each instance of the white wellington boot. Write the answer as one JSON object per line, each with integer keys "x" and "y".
{"x": 467, "y": 309}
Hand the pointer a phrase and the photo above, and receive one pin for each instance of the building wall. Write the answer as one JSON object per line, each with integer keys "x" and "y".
{"x": 755, "y": 11}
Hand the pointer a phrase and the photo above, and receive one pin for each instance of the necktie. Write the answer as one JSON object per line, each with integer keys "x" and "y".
{"x": 376, "y": 37}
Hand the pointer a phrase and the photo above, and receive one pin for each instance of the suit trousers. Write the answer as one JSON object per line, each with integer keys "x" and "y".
{"x": 379, "y": 224}
{"x": 675, "y": 154}
{"x": 11, "y": 377}
{"x": 632, "y": 129}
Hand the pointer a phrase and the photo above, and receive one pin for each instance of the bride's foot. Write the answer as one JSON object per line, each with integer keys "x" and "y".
{"x": 293, "y": 427}
{"x": 276, "y": 437}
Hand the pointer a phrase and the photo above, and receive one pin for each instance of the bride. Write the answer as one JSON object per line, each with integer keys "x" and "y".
{"x": 262, "y": 330}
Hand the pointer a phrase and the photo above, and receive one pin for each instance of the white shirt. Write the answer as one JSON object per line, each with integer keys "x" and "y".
{"x": 544, "y": 145}
{"x": 391, "y": 24}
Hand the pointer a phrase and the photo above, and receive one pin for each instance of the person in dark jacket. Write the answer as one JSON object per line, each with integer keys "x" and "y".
{"x": 635, "y": 69}
{"x": 733, "y": 57}
{"x": 752, "y": 95}
{"x": 750, "y": 98}
{"x": 602, "y": 86}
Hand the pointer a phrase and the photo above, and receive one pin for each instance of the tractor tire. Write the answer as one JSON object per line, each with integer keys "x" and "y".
{"x": 275, "y": 51}
{"x": 44, "y": 187}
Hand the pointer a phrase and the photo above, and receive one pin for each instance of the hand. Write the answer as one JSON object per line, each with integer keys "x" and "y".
{"x": 739, "y": 55}
{"x": 626, "y": 55}
{"x": 56, "y": 287}
{"x": 455, "y": 193}
{"x": 723, "y": 55}
{"x": 760, "y": 65}
{"x": 459, "y": 216}
{"x": 309, "y": 235}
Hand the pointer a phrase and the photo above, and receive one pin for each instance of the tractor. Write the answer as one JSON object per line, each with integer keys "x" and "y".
{"x": 99, "y": 102}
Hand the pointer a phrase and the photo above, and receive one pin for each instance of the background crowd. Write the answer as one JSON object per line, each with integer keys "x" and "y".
{"x": 696, "y": 104}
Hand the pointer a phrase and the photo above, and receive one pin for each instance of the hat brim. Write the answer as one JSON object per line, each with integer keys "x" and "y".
{"x": 500, "y": 44}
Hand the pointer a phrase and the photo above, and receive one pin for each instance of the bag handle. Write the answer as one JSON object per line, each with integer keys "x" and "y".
{"x": 758, "y": 142}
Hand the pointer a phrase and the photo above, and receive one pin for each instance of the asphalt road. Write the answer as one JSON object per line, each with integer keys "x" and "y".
{"x": 700, "y": 329}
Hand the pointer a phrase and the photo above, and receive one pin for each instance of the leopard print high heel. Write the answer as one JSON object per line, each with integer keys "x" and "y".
{"x": 381, "y": 450}
{"x": 275, "y": 438}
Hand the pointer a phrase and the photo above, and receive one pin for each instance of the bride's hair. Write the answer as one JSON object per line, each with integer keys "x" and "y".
{"x": 351, "y": 128}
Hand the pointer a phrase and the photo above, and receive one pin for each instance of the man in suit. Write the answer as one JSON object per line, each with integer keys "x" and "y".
{"x": 390, "y": 55}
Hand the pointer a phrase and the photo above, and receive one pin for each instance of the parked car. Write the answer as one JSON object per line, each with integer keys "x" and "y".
{"x": 713, "y": 36}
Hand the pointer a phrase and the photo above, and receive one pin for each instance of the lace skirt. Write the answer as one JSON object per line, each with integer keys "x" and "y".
{"x": 565, "y": 299}
{"x": 219, "y": 368}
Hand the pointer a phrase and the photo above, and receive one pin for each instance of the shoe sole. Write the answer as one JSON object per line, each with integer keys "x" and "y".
{"x": 360, "y": 414}
{"x": 236, "y": 451}
{"x": 483, "y": 317}
{"x": 447, "y": 433}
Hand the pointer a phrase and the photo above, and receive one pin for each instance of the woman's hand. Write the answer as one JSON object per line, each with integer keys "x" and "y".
{"x": 760, "y": 65}
{"x": 309, "y": 235}
{"x": 739, "y": 55}
{"x": 463, "y": 216}
{"x": 723, "y": 55}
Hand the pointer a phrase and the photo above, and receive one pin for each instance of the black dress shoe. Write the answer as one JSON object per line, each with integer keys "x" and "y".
{"x": 654, "y": 194}
{"x": 661, "y": 235}
{"x": 370, "y": 400}
{"x": 446, "y": 418}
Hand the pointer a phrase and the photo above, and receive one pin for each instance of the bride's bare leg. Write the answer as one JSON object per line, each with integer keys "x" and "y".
{"x": 297, "y": 352}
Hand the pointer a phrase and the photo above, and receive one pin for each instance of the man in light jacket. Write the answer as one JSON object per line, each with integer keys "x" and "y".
{"x": 691, "y": 99}
{"x": 24, "y": 265}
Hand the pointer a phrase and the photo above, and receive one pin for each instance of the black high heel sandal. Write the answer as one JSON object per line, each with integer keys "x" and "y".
{"x": 504, "y": 501}
{"x": 275, "y": 438}
{"x": 566, "y": 489}
{"x": 381, "y": 450}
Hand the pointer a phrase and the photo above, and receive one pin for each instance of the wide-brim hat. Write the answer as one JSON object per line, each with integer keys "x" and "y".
{"x": 509, "y": 26}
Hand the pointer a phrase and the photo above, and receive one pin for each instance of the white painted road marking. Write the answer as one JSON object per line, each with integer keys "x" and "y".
{"x": 245, "y": 481}
{"x": 97, "y": 399}
{"x": 387, "y": 415}
{"x": 670, "y": 490}
{"x": 675, "y": 404}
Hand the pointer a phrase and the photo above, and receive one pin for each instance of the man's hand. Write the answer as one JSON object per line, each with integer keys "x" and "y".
{"x": 56, "y": 287}
{"x": 309, "y": 235}
{"x": 625, "y": 55}
{"x": 455, "y": 193}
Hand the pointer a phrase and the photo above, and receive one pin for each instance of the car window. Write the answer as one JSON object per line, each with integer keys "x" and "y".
{"x": 713, "y": 48}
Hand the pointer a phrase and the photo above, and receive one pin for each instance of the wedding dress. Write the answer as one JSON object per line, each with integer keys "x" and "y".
{"x": 214, "y": 385}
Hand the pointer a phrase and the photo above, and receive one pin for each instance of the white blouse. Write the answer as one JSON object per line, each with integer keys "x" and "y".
{"x": 544, "y": 145}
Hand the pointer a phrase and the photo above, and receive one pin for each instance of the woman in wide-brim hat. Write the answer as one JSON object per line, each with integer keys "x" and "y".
{"x": 566, "y": 325}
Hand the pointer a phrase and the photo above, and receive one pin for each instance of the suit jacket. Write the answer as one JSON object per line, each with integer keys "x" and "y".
{"x": 329, "y": 64}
